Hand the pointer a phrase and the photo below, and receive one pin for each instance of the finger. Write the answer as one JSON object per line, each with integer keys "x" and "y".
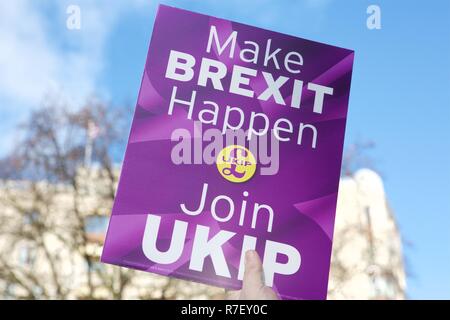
{"x": 253, "y": 274}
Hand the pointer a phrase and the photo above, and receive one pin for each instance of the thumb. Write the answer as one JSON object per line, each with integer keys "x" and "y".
{"x": 253, "y": 274}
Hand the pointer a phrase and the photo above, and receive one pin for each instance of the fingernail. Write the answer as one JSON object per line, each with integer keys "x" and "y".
{"x": 249, "y": 255}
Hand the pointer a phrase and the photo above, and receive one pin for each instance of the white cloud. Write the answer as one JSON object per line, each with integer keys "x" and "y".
{"x": 39, "y": 55}
{"x": 27, "y": 62}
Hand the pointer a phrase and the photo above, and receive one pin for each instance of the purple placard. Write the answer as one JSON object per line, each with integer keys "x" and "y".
{"x": 176, "y": 212}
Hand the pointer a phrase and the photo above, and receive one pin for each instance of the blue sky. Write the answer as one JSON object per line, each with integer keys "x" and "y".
{"x": 400, "y": 96}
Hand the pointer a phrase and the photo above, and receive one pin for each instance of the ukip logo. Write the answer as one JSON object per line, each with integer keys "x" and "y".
{"x": 236, "y": 164}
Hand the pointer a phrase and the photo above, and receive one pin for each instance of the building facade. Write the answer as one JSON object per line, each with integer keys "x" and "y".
{"x": 367, "y": 258}
{"x": 51, "y": 238}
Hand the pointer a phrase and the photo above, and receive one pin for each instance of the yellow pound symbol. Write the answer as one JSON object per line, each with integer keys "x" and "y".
{"x": 236, "y": 164}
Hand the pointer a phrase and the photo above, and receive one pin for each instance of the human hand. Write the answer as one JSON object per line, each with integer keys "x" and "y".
{"x": 253, "y": 287}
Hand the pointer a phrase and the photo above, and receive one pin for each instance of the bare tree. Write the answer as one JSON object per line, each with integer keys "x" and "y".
{"x": 360, "y": 250}
{"x": 355, "y": 157}
{"x": 61, "y": 177}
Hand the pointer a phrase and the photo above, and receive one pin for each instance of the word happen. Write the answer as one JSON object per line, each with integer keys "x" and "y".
{"x": 282, "y": 128}
{"x": 241, "y": 80}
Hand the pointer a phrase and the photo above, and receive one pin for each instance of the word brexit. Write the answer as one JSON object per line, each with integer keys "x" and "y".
{"x": 180, "y": 67}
